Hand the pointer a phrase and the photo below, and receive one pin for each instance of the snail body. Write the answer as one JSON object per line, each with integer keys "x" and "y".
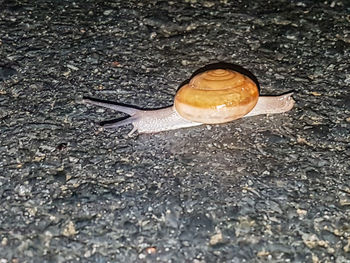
{"x": 212, "y": 97}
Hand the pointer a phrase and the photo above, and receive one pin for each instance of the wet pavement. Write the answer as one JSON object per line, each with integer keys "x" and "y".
{"x": 261, "y": 189}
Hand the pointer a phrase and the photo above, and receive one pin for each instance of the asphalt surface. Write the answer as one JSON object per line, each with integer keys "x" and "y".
{"x": 261, "y": 189}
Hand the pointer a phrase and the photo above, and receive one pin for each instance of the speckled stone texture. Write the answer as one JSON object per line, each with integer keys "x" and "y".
{"x": 261, "y": 189}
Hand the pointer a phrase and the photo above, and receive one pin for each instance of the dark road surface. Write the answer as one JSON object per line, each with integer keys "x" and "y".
{"x": 261, "y": 189}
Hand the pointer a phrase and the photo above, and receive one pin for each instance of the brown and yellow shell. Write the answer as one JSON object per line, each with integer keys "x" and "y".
{"x": 216, "y": 96}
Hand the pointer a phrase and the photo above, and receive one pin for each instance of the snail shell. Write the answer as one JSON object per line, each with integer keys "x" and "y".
{"x": 216, "y": 96}
{"x": 212, "y": 97}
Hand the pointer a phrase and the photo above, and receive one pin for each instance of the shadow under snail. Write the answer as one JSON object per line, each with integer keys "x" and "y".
{"x": 212, "y": 97}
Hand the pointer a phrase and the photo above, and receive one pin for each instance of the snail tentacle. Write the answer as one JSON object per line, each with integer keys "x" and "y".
{"x": 133, "y": 112}
{"x": 128, "y": 110}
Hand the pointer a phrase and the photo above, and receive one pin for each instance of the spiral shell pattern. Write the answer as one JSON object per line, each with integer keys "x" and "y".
{"x": 216, "y": 96}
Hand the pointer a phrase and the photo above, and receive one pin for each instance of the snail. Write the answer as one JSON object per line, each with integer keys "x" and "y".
{"x": 211, "y": 97}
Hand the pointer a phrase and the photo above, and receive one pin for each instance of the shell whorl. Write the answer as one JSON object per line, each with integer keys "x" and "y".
{"x": 216, "y": 96}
